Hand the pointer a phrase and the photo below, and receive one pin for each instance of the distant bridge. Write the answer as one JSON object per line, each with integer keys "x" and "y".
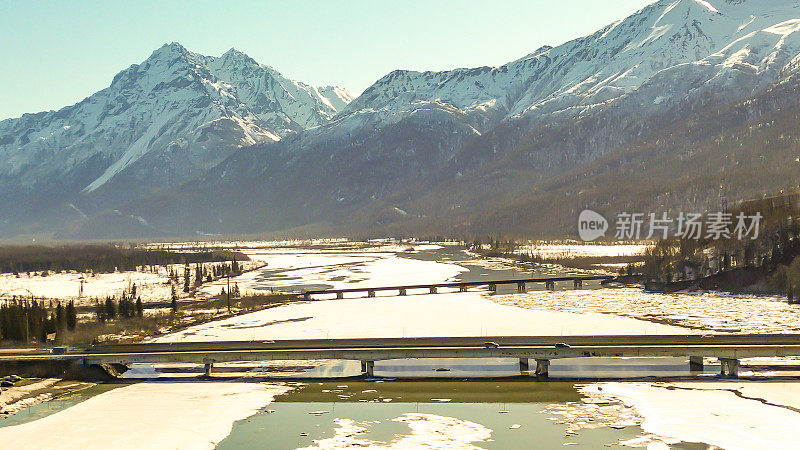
{"x": 728, "y": 348}
{"x": 462, "y": 286}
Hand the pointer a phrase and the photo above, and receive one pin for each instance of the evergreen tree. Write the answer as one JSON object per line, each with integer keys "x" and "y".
{"x": 72, "y": 316}
{"x": 139, "y": 308}
{"x": 111, "y": 308}
{"x": 186, "y": 278}
{"x": 61, "y": 317}
{"x": 100, "y": 311}
{"x": 123, "y": 307}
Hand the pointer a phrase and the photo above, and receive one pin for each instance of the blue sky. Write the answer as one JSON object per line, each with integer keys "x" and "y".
{"x": 55, "y": 53}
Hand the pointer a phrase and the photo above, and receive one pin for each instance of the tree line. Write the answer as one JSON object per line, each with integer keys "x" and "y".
{"x": 26, "y": 320}
{"x": 204, "y": 273}
{"x": 101, "y": 258}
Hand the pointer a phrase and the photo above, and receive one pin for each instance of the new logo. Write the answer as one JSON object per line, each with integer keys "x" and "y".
{"x": 591, "y": 225}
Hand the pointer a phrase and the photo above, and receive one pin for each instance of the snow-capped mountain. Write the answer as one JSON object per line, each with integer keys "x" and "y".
{"x": 443, "y": 147}
{"x": 281, "y": 104}
{"x": 681, "y": 44}
{"x": 165, "y": 120}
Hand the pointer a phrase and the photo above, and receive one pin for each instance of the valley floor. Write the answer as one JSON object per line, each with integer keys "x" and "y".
{"x": 764, "y": 412}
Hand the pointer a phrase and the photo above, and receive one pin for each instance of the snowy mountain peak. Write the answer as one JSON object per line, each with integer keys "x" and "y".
{"x": 235, "y": 55}
{"x": 701, "y": 42}
{"x": 169, "y": 51}
{"x": 169, "y": 117}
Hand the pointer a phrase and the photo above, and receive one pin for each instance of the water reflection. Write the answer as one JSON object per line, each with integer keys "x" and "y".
{"x": 418, "y": 414}
{"x": 438, "y": 368}
{"x": 568, "y": 368}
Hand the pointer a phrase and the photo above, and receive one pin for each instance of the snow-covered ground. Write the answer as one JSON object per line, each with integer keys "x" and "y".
{"x": 189, "y": 415}
{"x": 710, "y": 311}
{"x": 66, "y": 286}
{"x": 730, "y": 415}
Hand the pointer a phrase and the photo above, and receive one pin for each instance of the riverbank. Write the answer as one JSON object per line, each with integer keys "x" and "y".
{"x": 29, "y": 392}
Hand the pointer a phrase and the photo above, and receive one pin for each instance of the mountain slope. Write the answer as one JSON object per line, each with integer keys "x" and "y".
{"x": 164, "y": 121}
{"x": 501, "y": 149}
{"x": 446, "y": 147}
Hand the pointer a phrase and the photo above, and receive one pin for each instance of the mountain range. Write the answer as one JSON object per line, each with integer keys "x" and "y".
{"x": 672, "y": 108}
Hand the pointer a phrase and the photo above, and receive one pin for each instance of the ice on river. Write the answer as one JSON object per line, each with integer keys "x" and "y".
{"x": 454, "y": 314}
{"x": 292, "y": 270}
{"x": 445, "y": 314}
{"x": 162, "y": 415}
{"x": 708, "y": 311}
{"x": 426, "y": 431}
{"x": 731, "y": 415}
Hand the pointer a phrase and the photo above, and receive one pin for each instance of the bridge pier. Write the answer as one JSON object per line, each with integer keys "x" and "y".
{"x": 550, "y": 285}
{"x": 307, "y": 296}
{"x": 339, "y": 295}
{"x": 368, "y": 368}
{"x": 520, "y": 287}
{"x": 524, "y": 366}
{"x": 207, "y": 366}
{"x": 695, "y": 363}
{"x": 402, "y": 292}
{"x": 577, "y": 283}
{"x": 729, "y": 367}
{"x": 462, "y": 289}
{"x": 371, "y": 293}
{"x": 492, "y": 287}
{"x": 432, "y": 290}
{"x": 543, "y": 368}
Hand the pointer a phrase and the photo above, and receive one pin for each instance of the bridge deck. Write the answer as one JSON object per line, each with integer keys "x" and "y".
{"x": 535, "y": 347}
{"x": 461, "y": 284}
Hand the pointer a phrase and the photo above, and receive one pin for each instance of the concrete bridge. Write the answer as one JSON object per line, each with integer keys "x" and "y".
{"x": 729, "y": 348}
{"x": 462, "y": 286}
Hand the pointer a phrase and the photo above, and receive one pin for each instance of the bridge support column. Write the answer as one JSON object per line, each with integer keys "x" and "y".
{"x": 524, "y": 366}
{"x": 577, "y": 283}
{"x": 550, "y": 285}
{"x": 695, "y": 363}
{"x": 543, "y": 368}
{"x": 433, "y": 290}
{"x": 307, "y": 296}
{"x": 492, "y": 287}
{"x": 339, "y": 295}
{"x": 462, "y": 289}
{"x": 207, "y": 366}
{"x": 520, "y": 287}
{"x": 729, "y": 367}
{"x": 368, "y": 368}
{"x": 402, "y": 292}
{"x": 370, "y": 293}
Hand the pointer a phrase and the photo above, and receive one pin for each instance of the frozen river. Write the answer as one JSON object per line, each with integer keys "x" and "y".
{"x": 465, "y": 414}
